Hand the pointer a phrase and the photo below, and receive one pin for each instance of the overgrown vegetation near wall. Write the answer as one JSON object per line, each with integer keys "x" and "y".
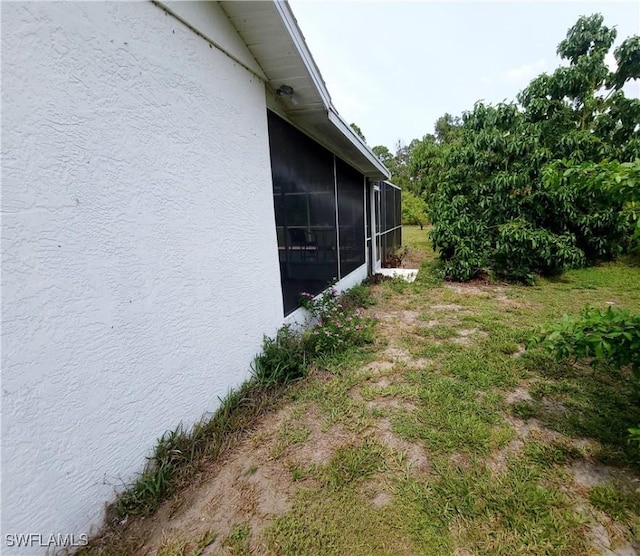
{"x": 337, "y": 323}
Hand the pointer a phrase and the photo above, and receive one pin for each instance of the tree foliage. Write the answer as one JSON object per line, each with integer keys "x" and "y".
{"x": 358, "y": 131}
{"x": 611, "y": 335}
{"x": 399, "y": 163}
{"x": 499, "y": 200}
{"x": 414, "y": 209}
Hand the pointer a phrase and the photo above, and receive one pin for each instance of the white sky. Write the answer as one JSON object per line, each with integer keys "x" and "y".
{"x": 394, "y": 67}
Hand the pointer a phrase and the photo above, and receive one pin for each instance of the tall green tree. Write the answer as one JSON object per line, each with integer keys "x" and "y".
{"x": 491, "y": 208}
{"x": 447, "y": 128}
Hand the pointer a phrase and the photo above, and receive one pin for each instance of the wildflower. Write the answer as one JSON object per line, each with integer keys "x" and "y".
{"x": 357, "y": 327}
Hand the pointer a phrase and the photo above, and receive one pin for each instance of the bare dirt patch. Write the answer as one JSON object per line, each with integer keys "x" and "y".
{"x": 532, "y": 428}
{"x": 497, "y": 463}
{"x": 321, "y": 445}
{"x": 249, "y": 486}
{"x": 520, "y": 394}
{"x": 590, "y": 474}
{"x": 244, "y": 488}
{"x": 378, "y": 367}
{"x": 376, "y": 492}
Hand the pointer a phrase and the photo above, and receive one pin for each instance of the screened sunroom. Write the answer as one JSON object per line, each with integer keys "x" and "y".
{"x": 324, "y": 216}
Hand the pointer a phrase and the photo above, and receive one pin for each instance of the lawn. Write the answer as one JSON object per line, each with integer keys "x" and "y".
{"x": 446, "y": 436}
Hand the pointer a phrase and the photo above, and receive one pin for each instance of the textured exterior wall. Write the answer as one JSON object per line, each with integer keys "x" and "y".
{"x": 140, "y": 266}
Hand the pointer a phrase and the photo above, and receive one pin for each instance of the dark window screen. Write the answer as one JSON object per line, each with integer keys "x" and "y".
{"x": 350, "y": 217}
{"x": 305, "y": 210}
{"x": 390, "y": 219}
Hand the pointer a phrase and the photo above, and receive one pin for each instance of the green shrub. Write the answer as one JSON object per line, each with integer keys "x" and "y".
{"x": 358, "y": 296}
{"x": 283, "y": 358}
{"x": 611, "y": 335}
{"x": 521, "y": 252}
{"x": 337, "y": 327}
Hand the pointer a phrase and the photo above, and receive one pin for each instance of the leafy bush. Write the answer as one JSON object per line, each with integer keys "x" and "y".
{"x": 358, "y": 296}
{"x": 595, "y": 184}
{"x": 611, "y": 335}
{"x": 337, "y": 326}
{"x": 283, "y": 358}
{"x": 521, "y": 252}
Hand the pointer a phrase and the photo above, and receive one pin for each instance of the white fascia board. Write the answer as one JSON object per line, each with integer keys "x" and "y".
{"x": 289, "y": 20}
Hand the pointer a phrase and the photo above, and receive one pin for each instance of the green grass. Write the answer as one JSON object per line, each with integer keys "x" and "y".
{"x": 238, "y": 541}
{"x": 462, "y": 442}
{"x": 473, "y": 499}
{"x": 617, "y": 500}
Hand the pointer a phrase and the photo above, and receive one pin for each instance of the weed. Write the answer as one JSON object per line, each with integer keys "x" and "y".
{"x": 283, "y": 358}
{"x": 452, "y": 418}
{"x": 430, "y": 275}
{"x": 353, "y": 463}
{"x": 176, "y": 546}
{"x": 238, "y": 541}
{"x": 552, "y": 453}
{"x": 357, "y": 296}
{"x": 394, "y": 259}
{"x": 337, "y": 327}
{"x": 618, "y": 501}
{"x": 181, "y": 453}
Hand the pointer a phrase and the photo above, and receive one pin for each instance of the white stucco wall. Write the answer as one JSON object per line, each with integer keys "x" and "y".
{"x": 139, "y": 255}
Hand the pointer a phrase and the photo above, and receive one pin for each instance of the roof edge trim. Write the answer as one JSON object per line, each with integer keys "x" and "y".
{"x": 290, "y": 22}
